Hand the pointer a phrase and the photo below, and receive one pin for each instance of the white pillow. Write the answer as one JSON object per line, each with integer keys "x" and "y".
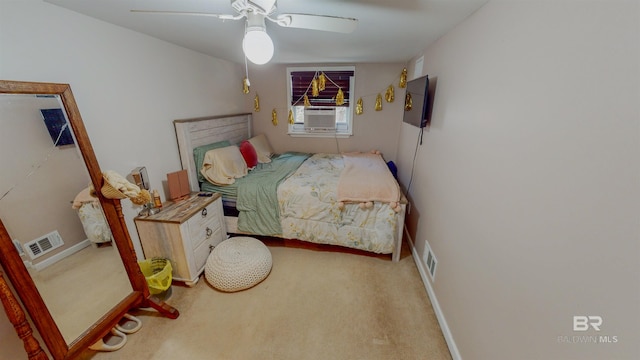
{"x": 263, "y": 148}
{"x": 223, "y": 166}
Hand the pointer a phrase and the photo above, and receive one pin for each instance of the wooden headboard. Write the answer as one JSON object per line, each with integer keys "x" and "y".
{"x": 192, "y": 133}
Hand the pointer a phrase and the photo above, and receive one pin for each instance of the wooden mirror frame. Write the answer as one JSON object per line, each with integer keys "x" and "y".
{"x": 19, "y": 276}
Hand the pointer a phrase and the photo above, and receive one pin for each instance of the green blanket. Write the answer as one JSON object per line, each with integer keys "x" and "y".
{"x": 257, "y": 199}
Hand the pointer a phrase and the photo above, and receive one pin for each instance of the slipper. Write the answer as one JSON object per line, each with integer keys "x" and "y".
{"x": 129, "y": 324}
{"x": 110, "y": 342}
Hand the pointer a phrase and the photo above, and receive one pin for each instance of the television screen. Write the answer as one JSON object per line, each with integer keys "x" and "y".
{"x": 57, "y": 126}
{"x": 418, "y": 101}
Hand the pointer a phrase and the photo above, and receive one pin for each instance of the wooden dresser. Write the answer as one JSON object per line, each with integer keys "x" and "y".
{"x": 184, "y": 232}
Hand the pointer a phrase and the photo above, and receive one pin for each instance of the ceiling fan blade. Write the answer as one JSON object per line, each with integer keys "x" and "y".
{"x": 162, "y": 12}
{"x": 318, "y": 22}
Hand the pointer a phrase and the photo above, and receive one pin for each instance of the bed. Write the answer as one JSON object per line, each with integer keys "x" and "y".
{"x": 295, "y": 195}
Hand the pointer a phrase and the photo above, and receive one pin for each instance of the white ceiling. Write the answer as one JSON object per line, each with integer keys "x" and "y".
{"x": 387, "y": 31}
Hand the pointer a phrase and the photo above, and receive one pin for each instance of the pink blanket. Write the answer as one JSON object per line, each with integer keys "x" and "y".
{"x": 84, "y": 196}
{"x": 366, "y": 178}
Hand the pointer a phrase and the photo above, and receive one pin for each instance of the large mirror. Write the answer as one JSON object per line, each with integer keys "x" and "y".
{"x": 67, "y": 253}
{"x": 61, "y": 232}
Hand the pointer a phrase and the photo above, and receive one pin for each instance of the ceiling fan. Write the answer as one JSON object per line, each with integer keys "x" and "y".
{"x": 256, "y": 44}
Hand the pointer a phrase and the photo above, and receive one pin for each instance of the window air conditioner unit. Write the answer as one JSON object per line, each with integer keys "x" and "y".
{"x": 320, "y": 119}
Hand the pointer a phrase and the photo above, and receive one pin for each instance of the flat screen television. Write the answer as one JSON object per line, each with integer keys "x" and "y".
{"x": 418, "y": 105}
{"x": 57, "y": 125}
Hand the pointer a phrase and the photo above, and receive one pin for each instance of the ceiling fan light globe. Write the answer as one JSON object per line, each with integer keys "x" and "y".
{"x": 257, "y": 47}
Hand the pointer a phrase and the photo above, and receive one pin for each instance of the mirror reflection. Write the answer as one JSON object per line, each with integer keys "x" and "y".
{"x": 54, "y": 222}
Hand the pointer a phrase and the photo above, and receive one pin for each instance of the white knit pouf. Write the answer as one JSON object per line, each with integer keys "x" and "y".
{"x": 238, "y": 264}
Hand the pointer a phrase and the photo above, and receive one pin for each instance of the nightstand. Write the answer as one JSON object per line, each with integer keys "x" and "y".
{"x": 184, "y": 232}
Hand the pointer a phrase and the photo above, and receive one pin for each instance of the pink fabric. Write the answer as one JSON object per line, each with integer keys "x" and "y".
{"x": 249, "y": 154}
{"x": 366, "y": 177}
{"x": 84, "y": 196}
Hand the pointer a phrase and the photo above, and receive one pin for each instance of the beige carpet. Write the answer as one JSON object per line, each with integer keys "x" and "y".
{"x": 73, "y": 288}
{"x": 313, "y": 305}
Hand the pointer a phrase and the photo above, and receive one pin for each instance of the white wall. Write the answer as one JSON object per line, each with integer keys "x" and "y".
{"x": 528, "y": 181}
{"x": 128, "y": 86}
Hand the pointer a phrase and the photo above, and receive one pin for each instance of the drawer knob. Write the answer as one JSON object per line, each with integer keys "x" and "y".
{"x": 209, "y": 232}
{"x": 204, "y": 212}
{"x": 211, "y": 248}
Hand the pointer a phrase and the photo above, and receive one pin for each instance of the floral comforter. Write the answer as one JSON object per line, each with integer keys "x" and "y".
{"x": 309, "y": 210}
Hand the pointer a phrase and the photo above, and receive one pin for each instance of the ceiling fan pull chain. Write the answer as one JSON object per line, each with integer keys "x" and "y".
{"x": 246, "y": 71}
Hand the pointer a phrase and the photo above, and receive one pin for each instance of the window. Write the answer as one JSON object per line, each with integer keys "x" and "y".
{"x": 322, "y": 116}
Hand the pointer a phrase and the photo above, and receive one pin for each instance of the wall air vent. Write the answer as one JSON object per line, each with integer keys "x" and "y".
{"x": 44, "y": 244}
{"x": 430, "y": 260}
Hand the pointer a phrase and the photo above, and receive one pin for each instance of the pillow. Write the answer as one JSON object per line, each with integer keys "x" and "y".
{"x": 200, "y": 151}
{"x": 249, "y": 154}
{"x": 223, "y": 166}
{"x": 263, "y": 148}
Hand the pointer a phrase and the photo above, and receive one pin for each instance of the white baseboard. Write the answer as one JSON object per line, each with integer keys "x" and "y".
{"x": 61, "y": 255}
{"x": 422, "y": 269}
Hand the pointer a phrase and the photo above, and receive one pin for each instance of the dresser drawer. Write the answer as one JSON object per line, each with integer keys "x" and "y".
{"x": 208, "y": 217}
{"x": 201, "y": 253}
{"x": 209, "y": 234}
